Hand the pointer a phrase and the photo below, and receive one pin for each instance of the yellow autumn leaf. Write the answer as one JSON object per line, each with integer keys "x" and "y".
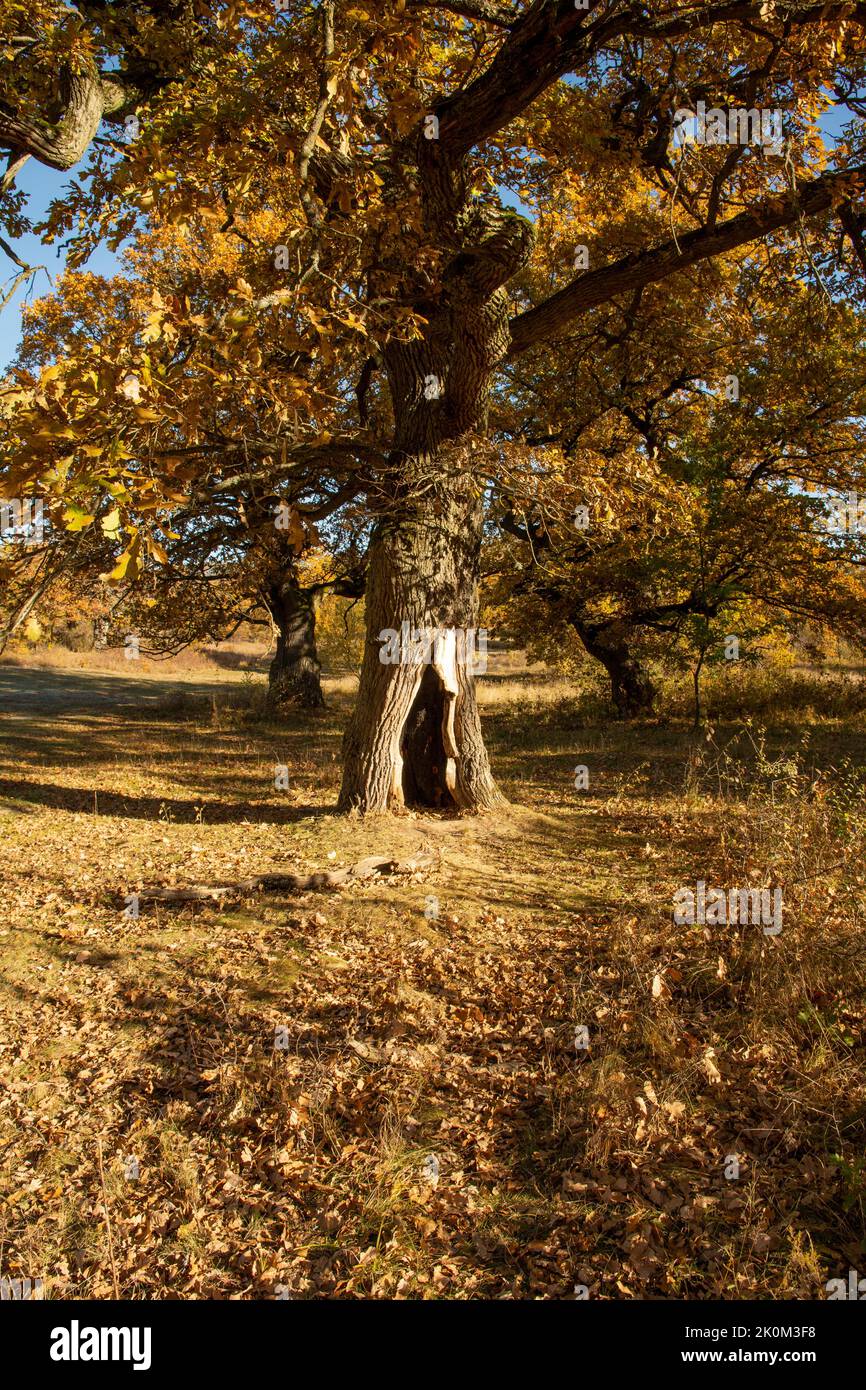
{"x": 158, "y": 552}
{"x": 129, "y": 564}
{"x": 76, "y": 518}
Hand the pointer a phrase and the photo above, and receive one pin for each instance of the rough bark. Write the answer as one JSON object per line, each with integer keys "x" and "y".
{"x": 295, "y": 672}
{"x": 86, "y": 95}
{"x": 415, "y": 735}
{"x": 632, "y": 690}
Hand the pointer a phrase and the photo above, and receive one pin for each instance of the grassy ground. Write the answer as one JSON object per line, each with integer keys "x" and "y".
{"x": 427, "y": 1126}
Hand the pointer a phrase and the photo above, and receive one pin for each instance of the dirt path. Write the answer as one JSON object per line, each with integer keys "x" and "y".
{"x": 24, "y": 690}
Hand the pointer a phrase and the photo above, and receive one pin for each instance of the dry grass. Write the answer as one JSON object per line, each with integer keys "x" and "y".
{"x": 227, "y": 660}
{"x": 245, "y": 664}
{"x": 308, "y": 1171}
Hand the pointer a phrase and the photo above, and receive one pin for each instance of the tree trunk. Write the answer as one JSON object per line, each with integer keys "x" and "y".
{"x": 696, "y": 681}
{"x": 415, "y": 736}
{"x": 632, "y": 690}
{"x": 295, "y": 674}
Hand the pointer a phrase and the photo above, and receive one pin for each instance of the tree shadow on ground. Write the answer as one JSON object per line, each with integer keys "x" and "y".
{"x": 238, "y": 661}
{"x": 99, "y": 802}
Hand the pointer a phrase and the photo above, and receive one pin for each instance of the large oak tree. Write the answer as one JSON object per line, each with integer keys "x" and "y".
{"x": 382, "y": 145}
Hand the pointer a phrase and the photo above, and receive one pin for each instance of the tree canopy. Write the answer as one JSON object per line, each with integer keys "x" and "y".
{"x": 422, "y": 258}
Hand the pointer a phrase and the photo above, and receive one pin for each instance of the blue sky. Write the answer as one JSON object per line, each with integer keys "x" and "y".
{"x": 41, "y": 185}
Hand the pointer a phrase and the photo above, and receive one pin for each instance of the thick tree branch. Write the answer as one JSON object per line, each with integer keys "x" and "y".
{"x": 556, "y": 314}
{"x": 88, "y": 97}
{"x": 481, "y": 10}
{"x": 375, "y": 865}
{"x": 553, "y": 38}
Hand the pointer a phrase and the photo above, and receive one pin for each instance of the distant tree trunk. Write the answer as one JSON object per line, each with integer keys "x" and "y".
{"x": 632, "y": 690}
{"x": 696, "y": 681}
{"x": 295, "y": 673}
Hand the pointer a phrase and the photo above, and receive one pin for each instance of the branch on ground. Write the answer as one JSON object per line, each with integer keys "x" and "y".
{"x": 370, "y": 867}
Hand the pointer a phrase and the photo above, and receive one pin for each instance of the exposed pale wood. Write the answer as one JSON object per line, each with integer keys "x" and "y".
{"x": 373, "y": 865}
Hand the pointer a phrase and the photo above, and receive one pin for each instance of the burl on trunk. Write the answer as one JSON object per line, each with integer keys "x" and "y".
{"x": 415, "y": 735}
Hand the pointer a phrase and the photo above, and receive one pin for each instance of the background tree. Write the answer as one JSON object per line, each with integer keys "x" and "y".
{"x": 729, "y": 497}
{"x": 232, "y": 547}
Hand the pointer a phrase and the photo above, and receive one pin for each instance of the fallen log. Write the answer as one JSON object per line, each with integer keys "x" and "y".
{"x": 290, "y": 883}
